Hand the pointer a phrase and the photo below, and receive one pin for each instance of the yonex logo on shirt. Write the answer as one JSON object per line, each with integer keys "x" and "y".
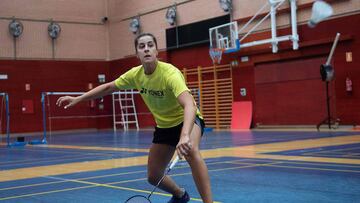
{"x": 154, "y": 93}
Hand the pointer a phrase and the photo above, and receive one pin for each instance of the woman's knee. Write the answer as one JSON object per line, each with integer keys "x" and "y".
{"x": 153, "y": 178}
{"x": 194, "y": 154}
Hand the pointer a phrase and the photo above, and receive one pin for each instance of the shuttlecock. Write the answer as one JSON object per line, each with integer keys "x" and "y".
{"x": 320, "y": 11}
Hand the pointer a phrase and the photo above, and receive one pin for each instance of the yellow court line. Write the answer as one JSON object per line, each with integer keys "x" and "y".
{"x": 258, "y": 151}
{"x": 236, "y": 162}
{"x": 253, "y": 151}
{"x": 110, "y": 185}
{"x": 59, "y": 169}
{"x": 122, "y": 188}
{"x": 43, "y": 193}
{"x": 317, "y": 169}
{"x": 87, "y": 178}
{"x": 108, "y": 175}
{"x": 245, "y": 153}
{"x": 308, "y": 143}
{"x": 90, "y": 185}
{"x": 93, "y": 148}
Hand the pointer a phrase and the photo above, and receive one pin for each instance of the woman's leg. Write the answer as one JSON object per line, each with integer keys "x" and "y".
{"x": 159, "y": 157}
{"x": 198, "y": 167}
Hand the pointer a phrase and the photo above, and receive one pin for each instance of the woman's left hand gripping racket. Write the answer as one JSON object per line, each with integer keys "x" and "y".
{"x": 144, "y": 199}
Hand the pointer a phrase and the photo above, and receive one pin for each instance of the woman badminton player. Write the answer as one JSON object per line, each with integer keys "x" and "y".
{"x": 179, "y": 124}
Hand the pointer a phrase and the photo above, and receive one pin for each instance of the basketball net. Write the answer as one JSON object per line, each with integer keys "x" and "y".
{"x": 215, "y": 54}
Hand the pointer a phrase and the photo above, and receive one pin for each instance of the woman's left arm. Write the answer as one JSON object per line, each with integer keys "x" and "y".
{"x": 186, "y": 100}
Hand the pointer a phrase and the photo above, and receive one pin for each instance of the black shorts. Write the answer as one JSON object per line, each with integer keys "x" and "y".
{"x": 171, "y": 136}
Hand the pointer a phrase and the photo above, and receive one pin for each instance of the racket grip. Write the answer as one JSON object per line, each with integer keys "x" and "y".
{"x": 174, "y": 162}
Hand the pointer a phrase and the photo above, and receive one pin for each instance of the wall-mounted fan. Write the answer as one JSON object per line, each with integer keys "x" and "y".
{"x": 16, "y": 28}
{"x": 134, "y": 25}
{"x": 54, "y": 30}
{"x": 171, "y": 15}
{"x": 226, "y": 5}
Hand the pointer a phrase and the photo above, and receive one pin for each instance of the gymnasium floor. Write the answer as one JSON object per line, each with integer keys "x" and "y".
{"x": 248, "y": 166}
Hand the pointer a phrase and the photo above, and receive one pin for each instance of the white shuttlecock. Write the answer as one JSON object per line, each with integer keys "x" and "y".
{"x": 320, "y": 11}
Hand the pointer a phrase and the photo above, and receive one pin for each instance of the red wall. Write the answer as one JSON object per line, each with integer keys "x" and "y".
{"x": 49, "y": 76}
{"x": 315, "y": 45}
{"x": 290, "y": 92}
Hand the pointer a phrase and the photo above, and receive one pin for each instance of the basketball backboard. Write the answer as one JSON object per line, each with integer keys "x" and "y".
{"x": 225, "y": 37}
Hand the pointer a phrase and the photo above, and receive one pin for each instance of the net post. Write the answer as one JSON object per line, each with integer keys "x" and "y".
{"x": 43, "y": 141}
{"x": 43, "y": 94}
{"x": 43, "y": 106}
{"x": 7, "y": 118}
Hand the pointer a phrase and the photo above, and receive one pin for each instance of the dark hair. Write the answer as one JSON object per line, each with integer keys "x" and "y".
{"x": 142, "y": 35}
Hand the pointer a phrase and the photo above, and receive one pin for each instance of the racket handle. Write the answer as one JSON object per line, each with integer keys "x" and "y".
{"x": 174, "y": 162}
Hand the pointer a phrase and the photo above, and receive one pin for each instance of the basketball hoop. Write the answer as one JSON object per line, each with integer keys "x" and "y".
{"x": 215, "y": 54}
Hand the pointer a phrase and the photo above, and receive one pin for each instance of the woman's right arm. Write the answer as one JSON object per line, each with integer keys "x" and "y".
{"x": 97, "y": 92}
